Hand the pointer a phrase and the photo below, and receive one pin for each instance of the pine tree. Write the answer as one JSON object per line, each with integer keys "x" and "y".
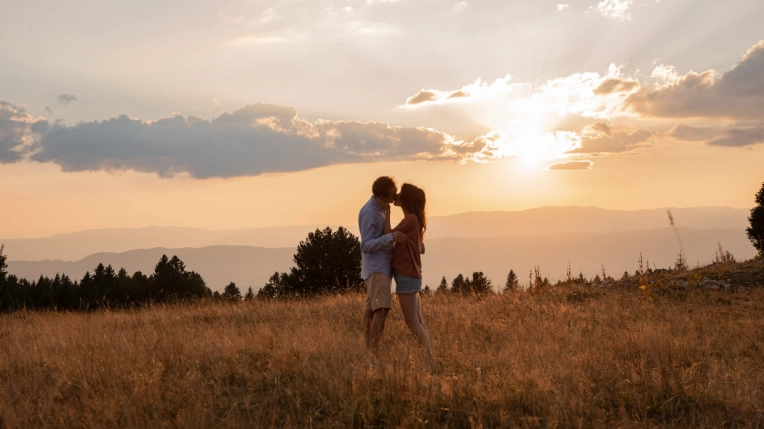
{"x": 512, "y": 283}
{"x": 249, "y": 295}
{"x": 443, "y": 287}
{"x": 231, "y": 293}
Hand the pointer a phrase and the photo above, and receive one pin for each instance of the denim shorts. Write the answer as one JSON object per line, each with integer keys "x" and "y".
{"x": 405, "y": 284}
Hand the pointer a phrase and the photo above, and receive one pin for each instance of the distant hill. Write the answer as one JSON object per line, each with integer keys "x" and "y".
{"x": 543, "y": 220}
{"x": 495, "y": 256}
{"x": 218, "y": 265}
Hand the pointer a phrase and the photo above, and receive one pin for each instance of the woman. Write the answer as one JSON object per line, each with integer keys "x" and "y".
{"x": 407, "y": 264}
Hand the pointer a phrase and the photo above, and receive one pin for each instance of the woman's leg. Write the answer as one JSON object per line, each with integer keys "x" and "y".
{"x": 412, "y": 316}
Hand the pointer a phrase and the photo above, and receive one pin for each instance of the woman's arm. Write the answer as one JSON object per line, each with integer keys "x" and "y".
{"x": 387, "y": 228}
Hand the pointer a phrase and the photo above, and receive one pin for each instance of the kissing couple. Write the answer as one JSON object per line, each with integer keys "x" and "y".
{"x": 389, "y": 253}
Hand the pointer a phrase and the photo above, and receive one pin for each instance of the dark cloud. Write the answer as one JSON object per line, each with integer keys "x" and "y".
{"x": 18, "y": 130}
{"x": 250, "y": 141}
{"x": 458, "y": 94}
{"x": 572, "y": 165}
{"x": 692, "y": 133}
{"x": 65, "y": 99}
{"x": 739, "y": 93}
{"x": 732, "y": 136}
{"x": 48, "y": 109}
{"x": 603, "y": 138}
{"x": 422, "y": 96}
{"x": 612, "y": 85}
{"x": 740, "y": 136}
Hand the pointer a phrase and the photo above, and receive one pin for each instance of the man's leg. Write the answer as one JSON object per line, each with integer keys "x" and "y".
{"x": 376, "y": 328}
{"x": 367, "y": 316}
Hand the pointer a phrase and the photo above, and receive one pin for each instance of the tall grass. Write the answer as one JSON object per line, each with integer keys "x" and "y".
{"x": 528, "y": 360}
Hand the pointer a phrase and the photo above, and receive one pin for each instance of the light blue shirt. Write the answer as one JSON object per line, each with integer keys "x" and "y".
{"x": 376, "y": 247}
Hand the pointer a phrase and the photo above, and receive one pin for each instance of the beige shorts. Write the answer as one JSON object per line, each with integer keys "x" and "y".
{"x": 378, "y": 291}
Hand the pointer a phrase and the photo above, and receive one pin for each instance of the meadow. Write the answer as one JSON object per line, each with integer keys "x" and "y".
{"x": 569, "y": 356}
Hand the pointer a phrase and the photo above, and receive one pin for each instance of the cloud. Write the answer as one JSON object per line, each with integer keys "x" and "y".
{"x": 48, "y": 109}
{"x": 256, "y": 139}
{"x": 563, "y": 6}
{"x": 572, "y": 165}
{"x": 601, "y": 138}
{"x": 740, "y": 136}
{"x": 738, "y": 93}
{"x": 737, "y": 135}
{"x": 475, "y": 91}
{"x": 18, "y": 130}
{"x": 65, "y": 99}
{"x": 587, "y": 94}
{"x": 459, "y": 6}
{"x": 615, "y": 9}
{"x": 686, "y": 132}
{"x": 613, "y": 85}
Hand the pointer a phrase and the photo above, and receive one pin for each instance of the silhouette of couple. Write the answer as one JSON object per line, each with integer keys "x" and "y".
{"x": 389, "y": 253}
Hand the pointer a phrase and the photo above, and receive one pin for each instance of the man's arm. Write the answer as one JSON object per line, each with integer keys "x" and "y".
{"x": 366, "y": 223}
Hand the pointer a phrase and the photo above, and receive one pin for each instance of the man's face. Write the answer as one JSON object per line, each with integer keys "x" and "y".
{"x": 392, "y": 195}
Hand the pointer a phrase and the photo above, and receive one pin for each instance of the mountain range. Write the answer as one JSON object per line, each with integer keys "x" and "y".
{"x": 587, "y": 239}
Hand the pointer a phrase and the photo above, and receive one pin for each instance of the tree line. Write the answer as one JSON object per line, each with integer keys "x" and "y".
{"x": 106, "y": 287}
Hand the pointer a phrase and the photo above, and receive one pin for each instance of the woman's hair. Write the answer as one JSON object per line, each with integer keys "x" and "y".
{"x": 413, "y": 200}
{"x": 382, "y": 186}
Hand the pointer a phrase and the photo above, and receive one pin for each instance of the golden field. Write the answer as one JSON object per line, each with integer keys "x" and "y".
{"x": 595, "y": 358}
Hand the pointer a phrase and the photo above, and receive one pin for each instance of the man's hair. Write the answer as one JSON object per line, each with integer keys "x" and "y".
{"x": 382, "y": 186}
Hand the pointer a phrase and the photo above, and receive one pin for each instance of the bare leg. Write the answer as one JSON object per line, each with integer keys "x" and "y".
{"x": 413, "y": 315}
{"x": 376, "y": 328}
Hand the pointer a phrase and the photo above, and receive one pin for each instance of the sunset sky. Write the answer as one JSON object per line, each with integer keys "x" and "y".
{"x": 253, "y": 113}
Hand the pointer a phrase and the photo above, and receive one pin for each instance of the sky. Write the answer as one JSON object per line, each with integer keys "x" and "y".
{"x": 254, "y": 113}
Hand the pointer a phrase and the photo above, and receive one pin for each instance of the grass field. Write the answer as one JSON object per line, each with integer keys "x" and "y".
{"x": 598, "y": 357}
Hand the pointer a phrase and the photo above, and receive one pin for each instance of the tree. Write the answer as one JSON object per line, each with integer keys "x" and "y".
{"x": 479, "y": 283}
{"x": 326, "y": 262}
{"x": 756, "y": 230}
{"x": 249, "y": 295}
{"x": 231, "y": 293}
{"x": 458, "y": 284}
{"x": 512, "y": 283}
{"x": 680, "y": 264}
{"x": 443, "y": 286}
{"x": 5, "y": 290}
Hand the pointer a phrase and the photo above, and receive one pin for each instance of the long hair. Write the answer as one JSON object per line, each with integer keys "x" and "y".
{"x": 413, "y": 200}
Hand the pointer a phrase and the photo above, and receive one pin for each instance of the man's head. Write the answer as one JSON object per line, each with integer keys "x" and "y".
{"x": 384, "y": 189}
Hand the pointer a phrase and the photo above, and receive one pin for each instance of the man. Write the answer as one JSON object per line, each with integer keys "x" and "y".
{"x": 376, "y": 258}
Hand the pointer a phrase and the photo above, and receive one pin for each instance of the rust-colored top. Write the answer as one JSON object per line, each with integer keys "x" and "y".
{"x": 406, "y": 256}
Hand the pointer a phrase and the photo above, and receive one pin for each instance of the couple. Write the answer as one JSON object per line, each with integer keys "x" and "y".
{"x": 393, "y": 252}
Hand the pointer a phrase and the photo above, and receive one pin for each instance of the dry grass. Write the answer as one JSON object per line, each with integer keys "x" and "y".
{"x": 612, "y": 359}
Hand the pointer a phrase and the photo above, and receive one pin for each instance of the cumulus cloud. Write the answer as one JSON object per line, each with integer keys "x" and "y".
{"x": 738, "y": 93}
{"x": 18, "y": 130}
{"x": 615, "y": 9}
{"x": 256, "y": 139}
{"x": 573, "y": 165}
{"x": 587, "y": 94}
{"x": 476, "y": 91}
{"x": 562, "y": 6}
{"x": 601, "y": 138}
{"x": 65, "y": 99}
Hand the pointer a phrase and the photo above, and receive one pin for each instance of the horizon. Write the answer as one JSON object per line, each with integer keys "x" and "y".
{"x": 353, "y": 223}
